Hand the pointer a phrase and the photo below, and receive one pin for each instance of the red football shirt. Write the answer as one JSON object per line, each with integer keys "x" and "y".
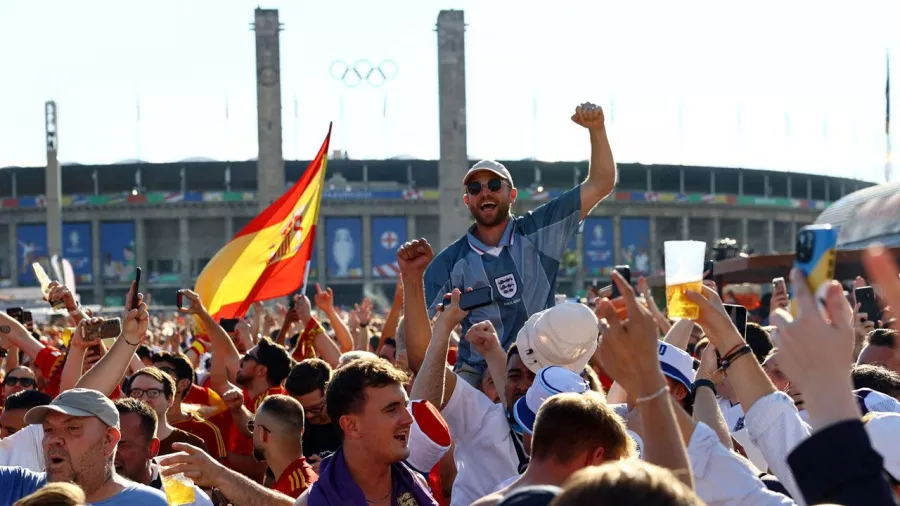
{"x": 296, "y": 478}
{"x": 238, "y": 443}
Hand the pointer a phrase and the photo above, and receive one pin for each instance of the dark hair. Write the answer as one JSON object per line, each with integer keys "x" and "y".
{"x": 346, "y": 391}
{"x": 878, "y": 378}
{"x": 511, "y": 352}
{"x": 389, "y": 341}
{"x": 167, "y": 381}
{"x": 286, "y": 410}
{"x": 626, "y": 483}
{"x": 759, "y": 341}
{"x": 183, "y": 367}
{"x": 308, "y": 376}
{"x": 569, "y": 424}
{"x": 27, "y": 399}
{"x": 143, "y": 351}
{"x": 882, "y": 337}
{"x": 276, "y": 359}
{"x": 149, "y": 421}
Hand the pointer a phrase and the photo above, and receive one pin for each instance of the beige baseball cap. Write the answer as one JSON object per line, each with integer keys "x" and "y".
{"x": 491, "y": 166}
{"x": 80, "y": 402}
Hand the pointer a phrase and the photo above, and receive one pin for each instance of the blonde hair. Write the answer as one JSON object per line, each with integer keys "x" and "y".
{"x": 626, "y": 483}
{"x": 55, "y": 494}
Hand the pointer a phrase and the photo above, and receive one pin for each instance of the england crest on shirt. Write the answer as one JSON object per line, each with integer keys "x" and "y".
{"x": 507, "y": 285}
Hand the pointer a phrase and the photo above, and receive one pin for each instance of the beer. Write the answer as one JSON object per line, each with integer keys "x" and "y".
{"x": 44, "y": 280}
{"x": 678, "y": 305}
{"x": 179, "y": 489}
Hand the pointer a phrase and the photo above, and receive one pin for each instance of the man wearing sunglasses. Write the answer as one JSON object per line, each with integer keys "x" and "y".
{"x": 517, "y": 257}
{"x": 20, "y": 378}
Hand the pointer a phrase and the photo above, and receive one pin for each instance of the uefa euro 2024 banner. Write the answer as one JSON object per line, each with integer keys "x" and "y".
{"x": 599, "y": 252}
{"x": 388, "y": 233}
{"x": 117, "y": 251}
{"x": 76, "y": 248}
{"x": 636, "y": 244}
{"x": 343, "y": 247}
{"x": 32, "y": 247}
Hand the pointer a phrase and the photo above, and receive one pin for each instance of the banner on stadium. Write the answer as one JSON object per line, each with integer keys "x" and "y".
{"x": 117, "y": 251}
{"x": 636, "y": 244}
{"x": 32, "y": 248}
{"x": 599, "y": 250}
{"x": 77, "y": 248}
{"x": 343, "y": 246}
{"x": 388, "y": 233}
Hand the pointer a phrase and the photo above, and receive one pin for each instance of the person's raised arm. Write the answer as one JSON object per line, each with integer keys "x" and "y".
{"x": 630, "y": 353}
{"x": 389, "y": 329}
{"x": 601, "y": 177}
{"x": 206, "y": 472}
{"x": 483, "y": 337}
{"x": 225, "y": 357}
{"x": 435, "y": 381}
{"x": 680, "y": 334}
{"x": 17, "y": 335}
{"x": 325, "y": 302}
{"x": 107, "y": 373}
{"x": 413, "y": 258}
{"x": 706, "y": 408}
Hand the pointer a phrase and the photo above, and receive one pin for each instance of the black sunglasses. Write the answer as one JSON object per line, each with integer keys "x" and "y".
{"x": 493, "y": 184}
{"x": 25, "y": 382}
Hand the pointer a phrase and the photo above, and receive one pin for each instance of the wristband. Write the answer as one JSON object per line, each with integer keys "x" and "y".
{"x": 703, "y": 382}
{"x": 729, "y": 359}
{"x": 75, "y": 311}
{"x": 654, "y": 395}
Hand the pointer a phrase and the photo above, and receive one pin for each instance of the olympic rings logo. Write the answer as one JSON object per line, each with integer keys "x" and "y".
{"x": 363, "y": 71}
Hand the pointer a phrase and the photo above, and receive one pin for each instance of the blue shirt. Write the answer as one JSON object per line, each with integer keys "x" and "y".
{"x": 521, "y": 270}
{"x": 18, "y": 482}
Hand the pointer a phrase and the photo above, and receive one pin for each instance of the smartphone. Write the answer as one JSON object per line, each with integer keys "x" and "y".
{"x": 709, "y": 268}
{"x": 16, "y": 313}
{"x": 179, "y": 299}
{"x": 478, "y": 297}
{"x": 28, "y": 320}
{"x": 816, "y": 257}
{"x": 738, "y": 315}
{"x": 137, "y": 287}
{"x": 228, "y": 324}
{"x": 865, "y": 297}
{"x": 779, "y": 285}
{"x": 625, "y": 272}
{"x": 103, "y": 330}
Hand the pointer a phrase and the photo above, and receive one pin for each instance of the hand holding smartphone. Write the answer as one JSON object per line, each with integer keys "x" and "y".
{"x": 816, "y": 257}
{"x": 137, "y": 288}
{"x": 868, "y": 304}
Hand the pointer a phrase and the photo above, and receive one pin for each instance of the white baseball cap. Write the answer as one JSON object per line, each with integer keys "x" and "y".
{"x": 883, "y": 429}
{"x": 564, "y": 335}
{"x": 677, "y": 364}
{"x": 496, "y": 168}
{"x": 548, "y": 382}
{"x": 874, "y": 401}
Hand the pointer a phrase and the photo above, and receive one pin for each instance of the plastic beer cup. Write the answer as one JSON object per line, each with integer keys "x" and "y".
{"x": 684, "y": 271}
{"x": 179, "y": 488}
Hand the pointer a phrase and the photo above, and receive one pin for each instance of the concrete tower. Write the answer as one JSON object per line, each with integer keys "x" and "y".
{"x": 53, "y": 186}
{"x": 451, "y": 35}
{"x": 270, "y": 162}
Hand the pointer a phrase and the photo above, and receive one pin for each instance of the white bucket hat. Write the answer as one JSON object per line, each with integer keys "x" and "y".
{"x": 548, "y": 382}
{"x": 564, "y": 335}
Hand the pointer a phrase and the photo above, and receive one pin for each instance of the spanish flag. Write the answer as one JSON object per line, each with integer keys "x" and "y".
{"x": 270, "y": 257}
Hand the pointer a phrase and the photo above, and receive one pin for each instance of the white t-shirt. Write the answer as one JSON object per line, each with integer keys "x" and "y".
{"x": 24, "y": 449}
{"x": 485, "y": 454}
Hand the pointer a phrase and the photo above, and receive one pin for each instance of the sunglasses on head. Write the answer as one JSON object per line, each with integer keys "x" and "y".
{"x": 25, "y": 382}
{"x": 493, "y": 184}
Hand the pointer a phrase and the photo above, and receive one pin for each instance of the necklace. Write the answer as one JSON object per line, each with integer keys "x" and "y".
{"x": 376, "y": 501}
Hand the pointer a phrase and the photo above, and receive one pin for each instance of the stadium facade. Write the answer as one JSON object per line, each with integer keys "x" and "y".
{"x": 171, "y": 218}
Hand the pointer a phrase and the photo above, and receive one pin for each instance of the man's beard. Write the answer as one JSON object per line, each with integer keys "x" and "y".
{"x": 501, "y": 214}
{"x": 241, "y": 380}
{"x": 258, "y": 454}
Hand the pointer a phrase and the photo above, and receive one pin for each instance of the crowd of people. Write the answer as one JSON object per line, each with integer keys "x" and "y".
{"x": 514, "y": 399}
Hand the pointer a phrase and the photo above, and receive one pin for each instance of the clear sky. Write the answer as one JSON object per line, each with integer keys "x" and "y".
{"x": 793, "y": 86}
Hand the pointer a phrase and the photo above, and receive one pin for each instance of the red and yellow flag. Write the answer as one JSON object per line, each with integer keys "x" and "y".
{"x": 269, "y": 258}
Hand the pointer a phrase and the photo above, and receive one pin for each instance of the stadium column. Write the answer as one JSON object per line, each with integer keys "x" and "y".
{"x": 454, "y": 161}
{"x": 140, "y": 244}
{"x": 717, "y": 229}
{"x": 367, "y": 253}
{"x": 745, "y": 231}
{"x": 270, "y": 161}
{"x": 686, "y": 226}
{"x": 13, "y": 254}
{"x": 771, "y": 236}
{"x": 96, "y": 260}
{"x": 53, "y": 188}
{"x": 229, "y": 228}
{"x": 617, "y": 238}
{"x": 184, "y": 252}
